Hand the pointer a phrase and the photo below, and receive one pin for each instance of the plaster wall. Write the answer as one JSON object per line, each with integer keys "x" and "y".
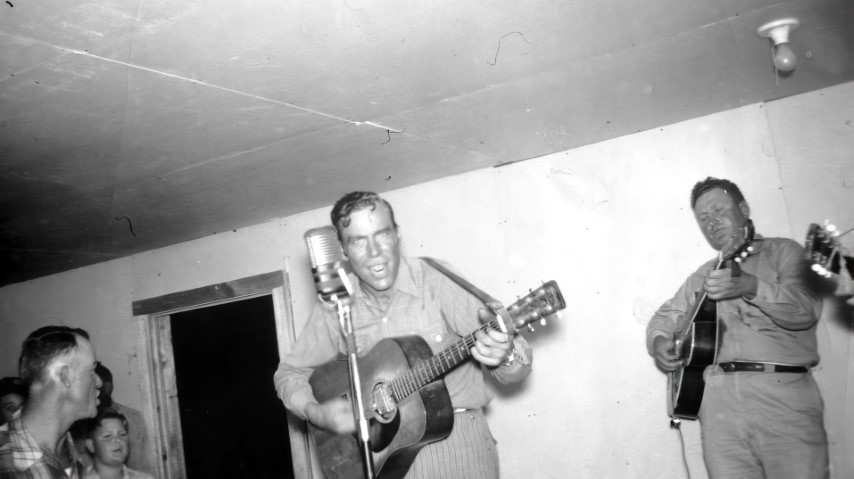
{"x": 610, "y": 222}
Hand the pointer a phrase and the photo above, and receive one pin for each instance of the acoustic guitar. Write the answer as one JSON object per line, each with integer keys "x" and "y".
{"x": 822, "y": 251}
{"x": 697, "y": 344}
{"x": 406, "y": 401}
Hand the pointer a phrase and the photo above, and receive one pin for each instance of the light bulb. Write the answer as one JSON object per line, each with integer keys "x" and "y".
{"x": 784, "y": 58}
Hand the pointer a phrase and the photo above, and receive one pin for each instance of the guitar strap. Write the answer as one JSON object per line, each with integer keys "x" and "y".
{"x": 494, "y": 305}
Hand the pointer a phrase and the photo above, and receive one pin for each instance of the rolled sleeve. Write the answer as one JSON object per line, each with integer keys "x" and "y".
{"x": 520, "y": 369}
{"x": 672, "y": 315}
{"x": 782, "y": 294}
{"x": 316, "y": 345}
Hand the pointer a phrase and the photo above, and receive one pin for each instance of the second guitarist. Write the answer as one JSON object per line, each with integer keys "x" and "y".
{"x": 397, "y": 296}
{"x": 761, "y": 414}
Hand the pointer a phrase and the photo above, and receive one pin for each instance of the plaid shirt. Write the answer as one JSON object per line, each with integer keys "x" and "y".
{"x": 22, "y": 458}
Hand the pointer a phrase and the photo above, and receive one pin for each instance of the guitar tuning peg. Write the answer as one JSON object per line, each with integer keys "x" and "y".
{"x": 530, "y": 328}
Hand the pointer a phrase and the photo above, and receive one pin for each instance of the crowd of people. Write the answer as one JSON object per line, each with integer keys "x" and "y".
{"x": 59, "y": 419}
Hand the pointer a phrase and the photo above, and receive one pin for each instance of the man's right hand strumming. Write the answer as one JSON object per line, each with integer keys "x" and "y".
{"x": 335, "y": 415}
{"x": 664, "y": 352}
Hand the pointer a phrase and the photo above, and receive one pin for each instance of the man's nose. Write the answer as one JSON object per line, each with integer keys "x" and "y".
{"x": 373, "y": 248}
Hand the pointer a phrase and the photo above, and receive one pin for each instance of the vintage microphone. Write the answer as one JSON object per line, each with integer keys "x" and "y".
{"x": 330, "y": 268}
{"x": 327, "y": 261}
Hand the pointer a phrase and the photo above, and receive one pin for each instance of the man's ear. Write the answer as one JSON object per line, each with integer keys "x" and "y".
{"x": 90, "y": 446}
{"x": 745, "y": 210}
{"x": 65, "y": 375}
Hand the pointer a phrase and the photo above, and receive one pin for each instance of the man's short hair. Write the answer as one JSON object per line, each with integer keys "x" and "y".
{"x": 44, "y": 345}
{"x": 710, "y": 183}
{"x": 103, "y": 373}
{"x": 355, "y": 201}
{"x": 94, "y": 423}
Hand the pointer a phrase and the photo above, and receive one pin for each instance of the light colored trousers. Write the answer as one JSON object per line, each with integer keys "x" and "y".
{"x": 468, "y": 453}
{"x": 760, "y": 425}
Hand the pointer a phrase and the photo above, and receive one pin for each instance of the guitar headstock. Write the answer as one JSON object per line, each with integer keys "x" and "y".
{"x": 820, "y": 248}
{"x": 537, "y": 305}
{"x": 741, "y": 245}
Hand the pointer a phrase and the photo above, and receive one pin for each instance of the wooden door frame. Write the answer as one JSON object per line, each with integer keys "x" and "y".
{"x": 157, "y": 364}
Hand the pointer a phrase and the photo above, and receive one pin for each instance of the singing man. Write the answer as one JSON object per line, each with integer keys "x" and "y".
{"x": 398, "y": 296}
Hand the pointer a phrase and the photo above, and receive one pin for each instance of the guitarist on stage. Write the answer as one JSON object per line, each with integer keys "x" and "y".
{"x": 761, "y": 413}
{"x": 397, "y": 296}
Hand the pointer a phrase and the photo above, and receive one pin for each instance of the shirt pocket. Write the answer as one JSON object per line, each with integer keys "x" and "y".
{"x": 437, "y": 337}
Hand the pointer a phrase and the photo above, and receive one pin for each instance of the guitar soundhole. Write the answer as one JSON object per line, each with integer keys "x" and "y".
{"x": 383, "y": 404}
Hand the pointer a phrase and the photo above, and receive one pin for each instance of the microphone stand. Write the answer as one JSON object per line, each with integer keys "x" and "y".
{"x": 362, "y": 432}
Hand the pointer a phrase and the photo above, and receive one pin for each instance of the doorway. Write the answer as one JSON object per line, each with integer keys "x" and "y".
{"x": 233, "y": 423}
{"x": 211, "y": 341}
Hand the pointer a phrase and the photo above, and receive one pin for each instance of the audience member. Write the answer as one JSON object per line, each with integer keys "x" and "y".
{"x": 107, "y": 442}
{"x": 57, "y": 366}
{"x": 138, "y": 458}
{"x": 12, "y": 397}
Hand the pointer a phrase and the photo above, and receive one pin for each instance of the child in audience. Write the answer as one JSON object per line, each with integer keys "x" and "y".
{"x": 107, "y": 442}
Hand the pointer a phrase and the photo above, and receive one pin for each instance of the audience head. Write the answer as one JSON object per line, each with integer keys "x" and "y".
{"x": 107, "y": 438}
{"x": 12, "y": 397}
{"x": 57, "y": 364}
{"x": 105, "y": 395}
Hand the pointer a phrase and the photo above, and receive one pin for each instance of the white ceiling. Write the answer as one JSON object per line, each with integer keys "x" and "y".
{"x": 128, "y": 126}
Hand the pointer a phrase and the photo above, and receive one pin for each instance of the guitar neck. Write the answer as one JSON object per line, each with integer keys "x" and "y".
{"x": 438, "y": 365}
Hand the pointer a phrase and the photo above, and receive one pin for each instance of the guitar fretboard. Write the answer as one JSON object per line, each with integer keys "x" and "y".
{"x": 438, "y": 365}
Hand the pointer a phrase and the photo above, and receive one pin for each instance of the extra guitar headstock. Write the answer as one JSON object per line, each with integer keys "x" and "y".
{"x": 821, "y": 247}
{"x": 741, "y": 244}
{"x": 537, "y": 305}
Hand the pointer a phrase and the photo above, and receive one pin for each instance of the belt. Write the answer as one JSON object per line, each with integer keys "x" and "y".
{"x": 761, "y": 367}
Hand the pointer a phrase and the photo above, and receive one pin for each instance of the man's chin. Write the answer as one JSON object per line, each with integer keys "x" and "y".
{"x": 378, "y": 286}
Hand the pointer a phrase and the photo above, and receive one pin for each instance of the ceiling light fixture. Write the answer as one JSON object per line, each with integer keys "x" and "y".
{"x": 778, "y": 31}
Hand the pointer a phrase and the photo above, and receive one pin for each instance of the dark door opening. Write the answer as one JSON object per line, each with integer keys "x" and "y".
{"x": 233, "y": 424}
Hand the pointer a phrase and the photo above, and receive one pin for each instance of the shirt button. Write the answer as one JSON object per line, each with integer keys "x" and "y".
{"x": 438, "y": 338}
